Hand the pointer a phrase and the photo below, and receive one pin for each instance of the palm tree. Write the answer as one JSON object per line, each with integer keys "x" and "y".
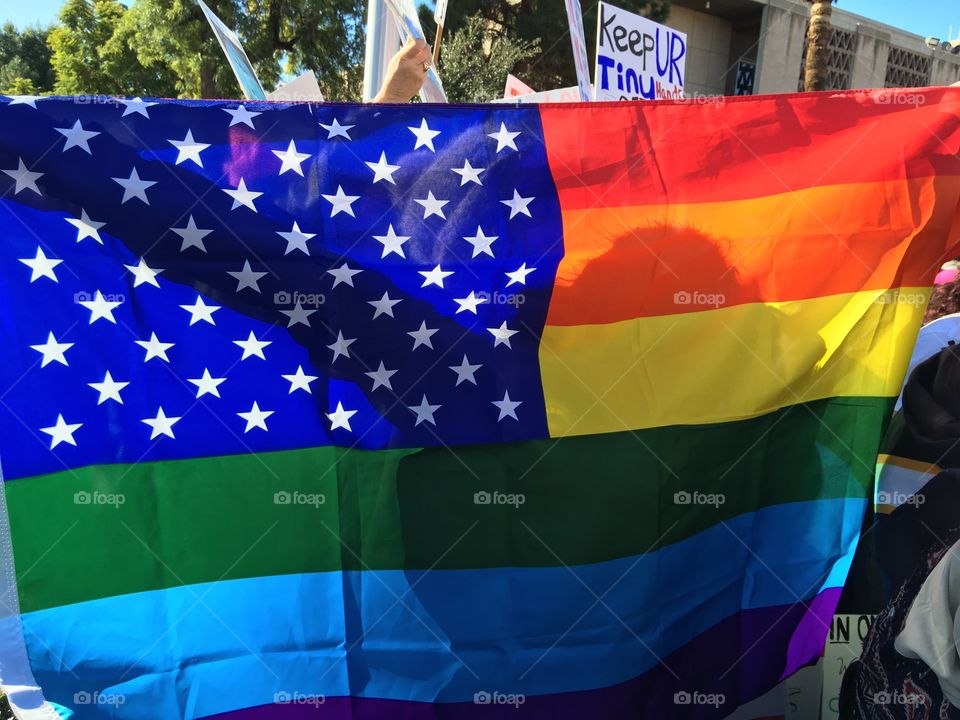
{"x": 818, "y": 45}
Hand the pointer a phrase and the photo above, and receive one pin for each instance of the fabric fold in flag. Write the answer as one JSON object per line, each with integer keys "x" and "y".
{"x": 585, "y": 425}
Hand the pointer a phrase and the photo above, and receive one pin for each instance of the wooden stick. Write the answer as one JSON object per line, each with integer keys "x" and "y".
{"x": 436, "y": 44}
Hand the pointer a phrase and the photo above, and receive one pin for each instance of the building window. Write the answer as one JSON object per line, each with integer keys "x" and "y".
{"x": 843, "y": 51}
{"x": 907, "y": 69}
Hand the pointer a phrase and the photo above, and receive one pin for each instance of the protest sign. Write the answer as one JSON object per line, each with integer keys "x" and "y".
{"x": 302, "y": 89}
{"x": 575, "y": 20}
{"x": 847, "y": 633}
{"x": 239, "y": 62}
{"x": 637, "y": 59}
{"x": 515, "y": 86}
{"x": 560, "y": 95}
{"x": 439, "y": 16}
{"x": 408, "y": 23}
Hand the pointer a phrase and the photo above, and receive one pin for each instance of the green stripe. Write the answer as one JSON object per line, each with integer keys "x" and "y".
{"x": 586, "y": 499}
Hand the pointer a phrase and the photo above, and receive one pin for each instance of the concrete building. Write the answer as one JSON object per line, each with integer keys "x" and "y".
{"x": 758, "y": 46}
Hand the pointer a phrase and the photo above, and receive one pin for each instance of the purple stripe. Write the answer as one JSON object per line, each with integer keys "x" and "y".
{"x": 741, "y": 658}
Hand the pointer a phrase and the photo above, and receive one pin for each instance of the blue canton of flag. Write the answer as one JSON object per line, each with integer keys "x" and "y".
{"x": 178, "y": 281}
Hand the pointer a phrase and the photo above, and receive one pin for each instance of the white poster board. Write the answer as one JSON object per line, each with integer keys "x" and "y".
{"x": 560, "y": 95}
{"x": 637, "y": 59}
{"x": 579, "y": 40}
{"x": 844, "y": 645}
{"x": 515, "y": 86}
{"x": 408, "y": 23}
{"x": 303, "y": 89}
{"x": 236, "y": 56}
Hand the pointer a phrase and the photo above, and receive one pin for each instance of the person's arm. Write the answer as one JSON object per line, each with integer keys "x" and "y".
{"x": 406, "y": 73}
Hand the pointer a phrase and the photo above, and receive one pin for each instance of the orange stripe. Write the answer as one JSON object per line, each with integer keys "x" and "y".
{"x": 641, "y": 261}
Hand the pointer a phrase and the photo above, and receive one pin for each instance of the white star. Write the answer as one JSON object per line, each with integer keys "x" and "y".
{"x": 134, "y": 187}
{"x": 502, "y": 335}
{"x": 77, "y": 137}
{"x": 41, "y": 265}
{"x": 201, "y": 311}
{"x": 341, "y": 202}
{"x": 252, "y": 346}
{"x": 435, "y": 276}
{"x": 154, "y": 348}
{"x": 469, "y": 303}
{"x": 142, "y": 273}
{"x": 340, "y": 418}
{"x": 465, "y": 371}
{"x": 341, "y": 346}
{"x": 518, "y": 204}
{"x": 383, "y": 306}
{"x": 246, "y": 278}
{"x": 382, "y": 170}
{"x": 256, "y": 418}
{"x": 30, "y": 100}
{"x": 191, "y": 235}
{"x": 468, "y": 173}
{"x": 422, "y": 335}
{"x": 52, "y": 350}
{"x": 424, "y": 135}
{"x": 335, "y": 129}
{"x": 507, "y": 406}
{"x": 109, "y": 389}
{"x": 161, "y": 424}
{"x": 300, "y": 380}
{"x": 62, "y": 432}
{"x": 86, "y": 228}
{"x": 424, "y": 411}
{"x": 519, "y": 275}
{"x": 207, "y": 385}
{"x": 343, "y": 274}
{"x": 242, "y": 196}
{"x": 296, "y": 239}
{"x": 432, "y": 206}
{"x": 25, "y": 179}
{"x": 504, "y": 138}
{"x": 298, "y": 316}
{"x": 291, "y": 159}
{"x": 241, "y": 115}
{"x": 137, "y": 105}
{"x": 481, "y": 243}
{"x": 99, "y": 308}
{"x": 392, "y": 243}
{"x": 381, "y": 377}
{"x": 189, "y": 149}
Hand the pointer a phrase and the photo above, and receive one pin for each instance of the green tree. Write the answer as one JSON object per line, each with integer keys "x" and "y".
{"x": 543, "y": 20}
{"x": 24, "y": 61}
{"x": 477, "y": 57}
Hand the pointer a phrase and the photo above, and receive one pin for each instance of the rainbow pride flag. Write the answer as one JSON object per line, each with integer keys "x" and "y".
{"x": 359, "y": 411}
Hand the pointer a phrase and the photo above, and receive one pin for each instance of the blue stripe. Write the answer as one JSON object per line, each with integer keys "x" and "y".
{"x": 435, "y": 636}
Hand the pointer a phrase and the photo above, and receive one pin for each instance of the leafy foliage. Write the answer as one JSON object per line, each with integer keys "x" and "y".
{"x": 24, "y": 61}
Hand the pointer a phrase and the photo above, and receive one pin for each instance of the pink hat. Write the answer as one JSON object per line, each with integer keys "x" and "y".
{"x": 946, "y": 276}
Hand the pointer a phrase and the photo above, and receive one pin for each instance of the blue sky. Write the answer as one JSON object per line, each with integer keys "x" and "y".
{"x": 929, "y": 17}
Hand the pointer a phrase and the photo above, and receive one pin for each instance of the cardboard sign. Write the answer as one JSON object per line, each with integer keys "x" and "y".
{"x": 303, "y": 89}
{"x": 561, "y": 95}
{"x": 579, "y": 40}
{"x": 515, "y": 86}
{"x": 637, "y": 59}
{"x": 236, "y": 56}
{"x": 408, "y": 23}
{"x": 847, "y": 633}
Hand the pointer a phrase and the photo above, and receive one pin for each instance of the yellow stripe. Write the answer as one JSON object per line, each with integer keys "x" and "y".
{"x": 728, "y": 363}
{"x": 900, "y": 461}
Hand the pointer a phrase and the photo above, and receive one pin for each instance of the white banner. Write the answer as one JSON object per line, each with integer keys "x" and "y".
{"x": 579, "y": 40}
{"x": 637, "y": 59}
